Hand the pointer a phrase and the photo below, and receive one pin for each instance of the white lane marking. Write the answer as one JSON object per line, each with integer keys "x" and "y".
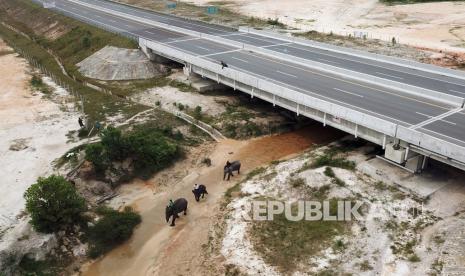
{"x": 429, "y": 116}
{"x": 387, "y": 75}
{"x": 351, "y": 93}
{"x": 440, "y": 134}
{"x": 347, "y": 81}
{"x": 203, "y": 48}
{"x": 140, "y": 14}
{"x": 287, "y": 74}
{"x": 220, "y": 53}
{"x": 282, "y": 44}
{"x": 426, "y": 115}
{"x": 274, "y": 40}
{"x": 134, "y": 23}
{"x": 326, "y": 60}
{"x": 372, "y": 64}
{"x": 181, "y": 40}
{"x": 456, "y": 91}
{"x": 243, "y": 60}
{"x": 322, "y": 97}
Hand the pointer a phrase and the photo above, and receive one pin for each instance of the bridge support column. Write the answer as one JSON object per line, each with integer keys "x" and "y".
{"x": 187, "y": 70}
{"x": 324, "y": 119}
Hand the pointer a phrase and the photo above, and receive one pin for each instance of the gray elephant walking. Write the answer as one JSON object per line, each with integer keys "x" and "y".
{"x": 199, "y": 190}
{"x": 176, "y": 207}
{"x": 230, "y": 167}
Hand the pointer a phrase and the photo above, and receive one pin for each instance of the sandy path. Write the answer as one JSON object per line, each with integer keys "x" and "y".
{"x": 439, "y": 25}
{"x": 38, "y": 128}
{"x": 156, "y": 248}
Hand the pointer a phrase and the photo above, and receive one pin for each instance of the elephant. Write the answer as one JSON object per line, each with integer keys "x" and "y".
{"x": 178, "y": 206}
{"x": 229, "y": 168}
{"x": 200, "y": 191}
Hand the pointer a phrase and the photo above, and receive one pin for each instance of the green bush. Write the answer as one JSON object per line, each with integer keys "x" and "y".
{"x": 115, "y": 145}
{"x": 151, "y": 149}
{"x": 197, "y": 113}
{"x": 112, "y": 229}
{"x": 53, "y": 203}
{"x": 95, "y": 153}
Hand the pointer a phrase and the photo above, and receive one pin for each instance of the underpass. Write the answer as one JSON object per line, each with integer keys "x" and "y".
{"x": 409, "y": 125}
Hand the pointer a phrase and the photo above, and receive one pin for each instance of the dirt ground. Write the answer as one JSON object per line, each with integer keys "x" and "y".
{"x": 434, "y": 25}
{"x": 156, "y": 248}
{"x": 388, "y": 241}
{"x": 33, "y": 132}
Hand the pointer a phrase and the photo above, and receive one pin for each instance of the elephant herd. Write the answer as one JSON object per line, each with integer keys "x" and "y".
{"x": 180, "y": 205}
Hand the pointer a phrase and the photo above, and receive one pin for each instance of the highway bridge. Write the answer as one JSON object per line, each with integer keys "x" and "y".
{"x": 414, "y": 110}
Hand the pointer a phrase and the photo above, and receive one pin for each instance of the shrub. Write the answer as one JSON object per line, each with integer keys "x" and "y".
{"x": 151, "y": 149}
{"x": 85, "y": 41}
{"x": 95, "y": 153}
{"x": 115, "y": 145}
{"x": 329, "y": 172}
{"x": 297, "y": 182}
{"x": 36, "y": 81}
{"x": 197, "y": 113}
{"x": 112, "y": 229}
{"x": 53, "y": 203}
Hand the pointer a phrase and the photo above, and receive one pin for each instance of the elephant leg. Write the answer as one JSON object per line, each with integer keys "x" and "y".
{"x": 239, "y": 171}
{"x": 185, "y": 211}
{"x": 172, "y": 222}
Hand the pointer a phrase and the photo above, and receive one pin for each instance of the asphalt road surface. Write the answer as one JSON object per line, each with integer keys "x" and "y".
{"x": 437, "y": 82}
{"x": 388, "y": 104}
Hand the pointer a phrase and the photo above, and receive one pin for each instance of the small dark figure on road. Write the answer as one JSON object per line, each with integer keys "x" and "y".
{"x": 199, "y": 190}
{"x": 223, "y": 64}
{"x": 174, "y": 208}
{"x": 230, "y": 167}
{"x": 81, "y": 124}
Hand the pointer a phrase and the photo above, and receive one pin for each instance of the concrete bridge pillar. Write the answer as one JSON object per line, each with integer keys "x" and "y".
{"x": 152, "y": 56}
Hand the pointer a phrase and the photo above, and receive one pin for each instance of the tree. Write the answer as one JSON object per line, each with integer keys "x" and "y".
{"x": 53, "y": 203}
{"x": 112, "y": 229}
{"x": 95, "y": 153}
{"x": 114, "y": 144}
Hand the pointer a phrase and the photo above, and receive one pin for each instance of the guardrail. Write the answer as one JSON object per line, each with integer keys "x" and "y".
{"x": 338, "y": 49}
{"x": 265, "y": 84}
{"x": 345, "y": 73}
{"x": 362, "y": 77}
{"x": 431, "y": 143}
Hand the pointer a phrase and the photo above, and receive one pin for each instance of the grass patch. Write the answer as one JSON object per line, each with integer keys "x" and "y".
{"x": 297, "y": 182}
{"x": 38, "y": 85}
{"x": 29, "y": 266}
{"x": 365, "y": 266}
{"x": 284, "y": 244}
{"x": 255, "y": 172}
{"x": 111, "y": 230}
{"x": 414, "y": 258}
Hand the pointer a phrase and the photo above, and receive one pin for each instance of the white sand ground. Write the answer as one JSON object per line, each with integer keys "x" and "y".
{"x": 434, "y": 25}
{"x": 372, "y": 245}
{"x": 36, "y": 126}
